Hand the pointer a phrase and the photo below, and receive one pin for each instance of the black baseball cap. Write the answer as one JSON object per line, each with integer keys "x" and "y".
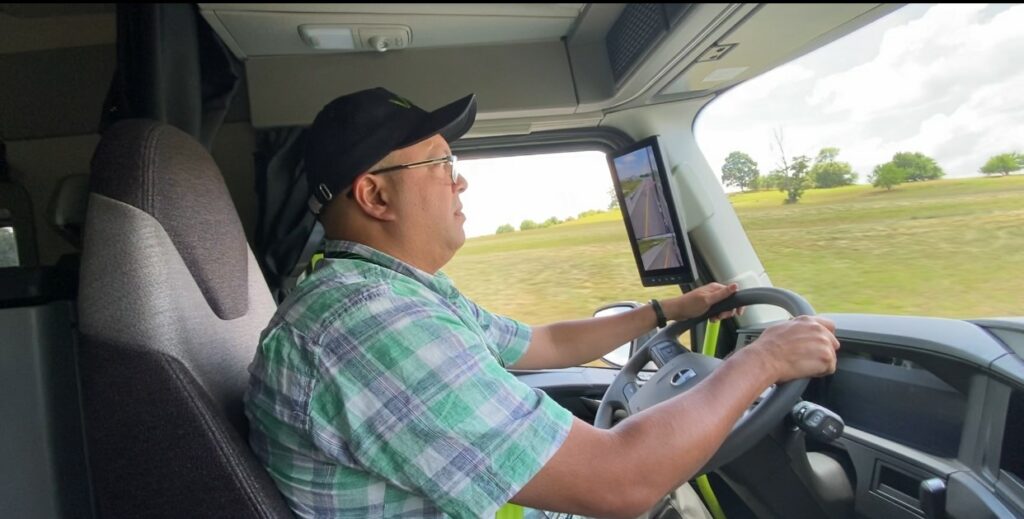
{"x": 355, "y": 131}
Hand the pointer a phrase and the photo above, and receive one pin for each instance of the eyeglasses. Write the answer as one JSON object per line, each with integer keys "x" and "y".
{"x": 449, "y": 161}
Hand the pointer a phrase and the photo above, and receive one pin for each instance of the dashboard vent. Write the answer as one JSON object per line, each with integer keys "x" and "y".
{"x": 638, "y": 28}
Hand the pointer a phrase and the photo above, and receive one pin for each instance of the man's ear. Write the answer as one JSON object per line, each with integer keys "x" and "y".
{"x": 372, "y": 195}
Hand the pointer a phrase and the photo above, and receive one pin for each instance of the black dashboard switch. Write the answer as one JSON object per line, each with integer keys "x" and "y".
{"x": 664, "y": 352}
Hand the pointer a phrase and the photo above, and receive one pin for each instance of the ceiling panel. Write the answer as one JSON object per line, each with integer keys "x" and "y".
{"x": 758, "y": 42}
{"x": 272, "y": 29}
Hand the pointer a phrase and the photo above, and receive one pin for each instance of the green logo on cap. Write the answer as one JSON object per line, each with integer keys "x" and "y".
{"x": 401, "y": 102}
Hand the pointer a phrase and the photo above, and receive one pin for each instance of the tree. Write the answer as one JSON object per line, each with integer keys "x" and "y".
{"x": 887, "y": 175}
{"x": 917, "y": 166}
{"x": 551, "y": 221}
{"x": 614, "y": 204}
{"x": 740, "y": 170}
{"x": 504, "y": 228}
{"x": 798, "y": 179}
{"x": 827, "y": 172}
{"x": 774, "y": 180}
{"x": 1004, "y": 164}
{"x": 793, "y": 178}
{"x": 527, "y": 225}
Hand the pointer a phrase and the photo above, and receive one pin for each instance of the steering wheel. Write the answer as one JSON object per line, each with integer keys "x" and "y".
{"x": 686, "y": 369}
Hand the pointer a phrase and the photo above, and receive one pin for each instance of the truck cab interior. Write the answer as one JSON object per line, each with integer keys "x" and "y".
{"x": 152, "y": 196}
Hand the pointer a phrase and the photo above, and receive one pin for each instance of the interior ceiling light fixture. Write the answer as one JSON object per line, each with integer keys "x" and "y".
{"x": 327, "y": 37}
{"x": 378, "y": 38}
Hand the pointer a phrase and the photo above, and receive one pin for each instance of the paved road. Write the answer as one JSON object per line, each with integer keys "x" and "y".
{"x": 663, "y": 255}
{"x": 645, "y": 211}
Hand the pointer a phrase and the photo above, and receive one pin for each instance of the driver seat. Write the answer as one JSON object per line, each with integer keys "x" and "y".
{"x": 171, "y": 305}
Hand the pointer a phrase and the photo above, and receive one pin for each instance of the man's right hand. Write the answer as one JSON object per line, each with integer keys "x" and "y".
{"x": 624, "y": 471}
{"x": 799, "y": 348}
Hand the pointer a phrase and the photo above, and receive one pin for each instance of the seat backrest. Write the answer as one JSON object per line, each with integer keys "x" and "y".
{"x": 171, "y": 305}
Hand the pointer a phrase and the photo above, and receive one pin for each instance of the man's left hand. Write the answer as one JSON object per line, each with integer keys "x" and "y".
{"x": 696, "y": 302}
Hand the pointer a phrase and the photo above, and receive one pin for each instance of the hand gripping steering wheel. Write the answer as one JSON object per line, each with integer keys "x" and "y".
{"x": 686, "y": 369}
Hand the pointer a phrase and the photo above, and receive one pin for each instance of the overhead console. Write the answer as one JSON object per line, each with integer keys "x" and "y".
{"x": 533, "y": 66}
{"x": 300, "y": 56}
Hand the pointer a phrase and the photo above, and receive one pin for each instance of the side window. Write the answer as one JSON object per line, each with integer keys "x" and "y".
{"x": 8, "y": 241}
{"x": 545, "y": 239}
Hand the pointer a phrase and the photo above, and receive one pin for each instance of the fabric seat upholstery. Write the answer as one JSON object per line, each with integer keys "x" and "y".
{"x": 171, "y": 305}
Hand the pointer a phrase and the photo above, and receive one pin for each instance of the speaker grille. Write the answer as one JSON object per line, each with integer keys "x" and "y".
{"x": 635, "y": 32}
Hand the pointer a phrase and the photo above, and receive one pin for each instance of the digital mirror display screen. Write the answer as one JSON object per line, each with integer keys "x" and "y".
{"x": 660, "y": 247}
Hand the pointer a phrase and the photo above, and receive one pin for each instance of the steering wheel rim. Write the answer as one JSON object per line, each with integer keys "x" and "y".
{"x": 688, "y": 369}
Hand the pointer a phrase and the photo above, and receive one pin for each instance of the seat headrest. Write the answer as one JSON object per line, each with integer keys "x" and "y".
{"x": 166, "y": 173}
{"x": 67, "y": 207}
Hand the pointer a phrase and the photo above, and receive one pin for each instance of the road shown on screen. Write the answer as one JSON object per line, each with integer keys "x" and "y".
{"x": 662, "y": 254}
{"x": 645, "y": 210}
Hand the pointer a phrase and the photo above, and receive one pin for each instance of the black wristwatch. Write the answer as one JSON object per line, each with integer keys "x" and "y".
{"x": 659, "y": 312}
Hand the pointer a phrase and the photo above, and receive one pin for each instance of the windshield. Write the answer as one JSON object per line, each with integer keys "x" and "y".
{"x": 881, "y": 173}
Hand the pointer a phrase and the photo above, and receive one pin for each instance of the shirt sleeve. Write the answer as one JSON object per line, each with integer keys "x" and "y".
{"x": 420, "y": 402}
{"x": 510, "y": 337}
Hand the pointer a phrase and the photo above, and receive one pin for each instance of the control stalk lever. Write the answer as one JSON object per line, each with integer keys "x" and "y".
{"x": 818, "y": 422}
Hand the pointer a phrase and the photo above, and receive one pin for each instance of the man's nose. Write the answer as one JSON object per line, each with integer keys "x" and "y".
{"x": 461, "y": 184}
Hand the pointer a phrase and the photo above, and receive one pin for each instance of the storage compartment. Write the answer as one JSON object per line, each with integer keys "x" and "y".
{"x": 897, "y": 485}
{"x": 928, "y": 414}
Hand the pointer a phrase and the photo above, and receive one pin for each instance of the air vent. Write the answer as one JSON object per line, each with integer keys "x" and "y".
{"x": 636, "y": 31}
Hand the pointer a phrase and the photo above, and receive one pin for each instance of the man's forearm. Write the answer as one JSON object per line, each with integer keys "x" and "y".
{"x": 572, "y": 343}
{"x": 631, "y": 466}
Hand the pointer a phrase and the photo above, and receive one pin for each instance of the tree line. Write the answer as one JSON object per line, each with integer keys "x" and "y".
{"x": 527, "y": 225}
{"x": 797, "y": 174}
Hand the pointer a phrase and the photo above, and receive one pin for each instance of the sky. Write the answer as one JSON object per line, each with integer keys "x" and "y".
{"x": 635, "y": 164}
{"x": 944, "y": 80}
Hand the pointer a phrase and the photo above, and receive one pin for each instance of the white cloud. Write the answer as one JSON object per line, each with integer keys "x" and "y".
{"x": 946, "y": 84}
{"x": 763, "y": 87}
{"x": 947, "y": 45}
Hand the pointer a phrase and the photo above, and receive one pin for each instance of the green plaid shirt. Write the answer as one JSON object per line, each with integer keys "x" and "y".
{"x": 378, "y": 390}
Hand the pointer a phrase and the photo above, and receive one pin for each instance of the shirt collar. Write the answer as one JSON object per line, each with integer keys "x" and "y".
{"x": 439, "y": 282}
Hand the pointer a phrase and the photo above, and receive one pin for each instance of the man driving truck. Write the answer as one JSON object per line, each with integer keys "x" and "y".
{"x": 379, "y": 390}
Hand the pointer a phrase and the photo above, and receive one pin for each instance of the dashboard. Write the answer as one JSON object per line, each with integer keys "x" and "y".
{"x": 926, "y": 398}
{"x": 923, "y": 399}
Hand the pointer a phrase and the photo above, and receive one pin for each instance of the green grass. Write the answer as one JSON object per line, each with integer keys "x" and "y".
{"x": 948, "y": 248}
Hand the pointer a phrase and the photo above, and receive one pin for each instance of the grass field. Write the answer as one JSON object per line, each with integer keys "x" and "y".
{"x": 946, "y": 248}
